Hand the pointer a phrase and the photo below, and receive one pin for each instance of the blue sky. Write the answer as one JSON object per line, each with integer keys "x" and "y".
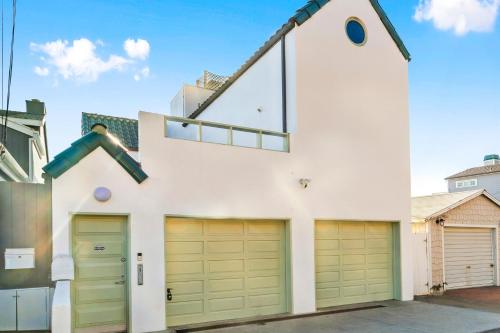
{"x": 454, "y": 75}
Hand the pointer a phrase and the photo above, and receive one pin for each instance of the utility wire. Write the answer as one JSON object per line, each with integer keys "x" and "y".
{"x": 11, "y": 65}
{"x": 3, "y": 77}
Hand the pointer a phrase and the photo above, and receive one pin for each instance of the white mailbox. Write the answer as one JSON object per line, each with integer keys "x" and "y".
{"x": 19, "y": 258}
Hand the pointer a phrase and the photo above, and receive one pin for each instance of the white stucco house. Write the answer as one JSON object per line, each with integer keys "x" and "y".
{"x": 286, "y": 190}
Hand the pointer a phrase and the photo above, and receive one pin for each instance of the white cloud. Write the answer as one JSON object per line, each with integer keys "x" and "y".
{"x": 41, "y": 71}
{"x": 461, "y": 16}
{"x": 78, "y": 60}
{"x": 143, "y": 73}
{"x": 137, "y": 49}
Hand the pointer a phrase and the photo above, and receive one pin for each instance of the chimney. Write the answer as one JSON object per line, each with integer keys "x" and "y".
{"x": 99, "y": 128}
{"x": 492, "y": 159}
{"x": 35, "y": 106}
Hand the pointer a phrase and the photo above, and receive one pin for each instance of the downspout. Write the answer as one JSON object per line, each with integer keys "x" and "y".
{"x": 283, "y": 83}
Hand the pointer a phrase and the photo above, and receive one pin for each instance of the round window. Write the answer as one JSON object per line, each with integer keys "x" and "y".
{"x": 356, "y": 31}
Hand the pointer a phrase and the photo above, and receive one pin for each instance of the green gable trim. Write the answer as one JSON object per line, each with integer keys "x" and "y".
{"x": 300, "y": 17}
{"x": 390, "y": 28}
{"x": 87, "y": 144}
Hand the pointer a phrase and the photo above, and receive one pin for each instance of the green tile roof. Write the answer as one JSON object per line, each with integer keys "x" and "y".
{"x": 23, "y": 115}
{"x": 124, "y": 129}
{"x": 300, "y": 17}
{"x": 87, "y": 144}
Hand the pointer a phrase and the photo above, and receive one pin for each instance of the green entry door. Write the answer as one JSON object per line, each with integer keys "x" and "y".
{"x": 354, "y": 262}
{"x": 224, "y": 269}
{"x": 99, "y": 291}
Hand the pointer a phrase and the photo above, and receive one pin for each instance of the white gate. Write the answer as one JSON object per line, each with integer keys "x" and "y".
{"x": 420, "y": 259}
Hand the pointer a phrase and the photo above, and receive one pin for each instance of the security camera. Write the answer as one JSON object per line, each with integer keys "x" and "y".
{"x": 304, "y": 182}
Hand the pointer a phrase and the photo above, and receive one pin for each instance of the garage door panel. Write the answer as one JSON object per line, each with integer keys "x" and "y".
{"x": 469, "y": 254}
{"x": 348, "y": 229}
{"x": 264, "y": 282}
{"x": 228, "y": 284}
{"x": 263, "y": 229}
{"x": 226, "y": 228}
{"x": 327, "y": 244}
{"x": 353, "y": 244}
{"x": 333, "y": 260}
{"x": 181, "y": 228}
{"x": 380, "y": 288}
{"x": 185, "y": 308}
{"x": 240, "y": 271}
{"x": 379, "y": 273}
{"x": 356, "y": 275}
{"x": 382, "y": 245}
{"x": 225, "y": 247}
{"x": 185, "y": 267}
{"x": 379, "y": 258}
{"x": 360, "y": 269}
{"x": 193, "y": 247}
{"x": 186, "y": 287}
{"x": 266, "y": 300}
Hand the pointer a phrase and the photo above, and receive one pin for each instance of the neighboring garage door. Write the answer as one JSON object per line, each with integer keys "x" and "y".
{"x": 354, "y": 262}
{"x": 469, "y": 257}
{"x": 224, "y": 269}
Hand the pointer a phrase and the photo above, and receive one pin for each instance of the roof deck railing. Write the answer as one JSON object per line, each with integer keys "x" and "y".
{"x": 232, "y": 135}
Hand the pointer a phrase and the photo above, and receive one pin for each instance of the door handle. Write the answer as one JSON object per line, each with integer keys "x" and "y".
{"x": 120, "y": 282}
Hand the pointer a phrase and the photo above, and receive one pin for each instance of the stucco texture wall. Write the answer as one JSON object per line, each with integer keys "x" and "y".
{"x": 479, "y": 211}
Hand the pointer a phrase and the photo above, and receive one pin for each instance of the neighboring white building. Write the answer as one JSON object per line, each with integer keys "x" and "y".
{"x": 199, "y": 232}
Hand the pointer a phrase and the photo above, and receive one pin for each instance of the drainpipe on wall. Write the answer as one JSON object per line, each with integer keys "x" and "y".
{"x": 283, "y": 83}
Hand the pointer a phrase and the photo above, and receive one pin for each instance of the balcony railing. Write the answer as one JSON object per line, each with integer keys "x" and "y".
{"x": 232, "y": 135}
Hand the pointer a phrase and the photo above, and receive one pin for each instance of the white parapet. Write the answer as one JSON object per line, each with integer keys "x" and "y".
{"x": 61, "y": 308}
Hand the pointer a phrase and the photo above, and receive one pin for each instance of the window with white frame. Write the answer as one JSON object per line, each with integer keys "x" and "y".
{"x": 466, "y": 183}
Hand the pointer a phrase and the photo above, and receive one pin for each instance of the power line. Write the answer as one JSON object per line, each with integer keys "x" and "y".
{"x": 2, "y": 51}
{"x": 11, "y": 65}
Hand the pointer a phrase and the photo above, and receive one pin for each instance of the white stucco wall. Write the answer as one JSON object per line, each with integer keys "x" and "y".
{"x": 353, "y": 121}
{"x": 188, "y": 99}
{"x": 260, "y": 87}
{"x": 351, "y": 140}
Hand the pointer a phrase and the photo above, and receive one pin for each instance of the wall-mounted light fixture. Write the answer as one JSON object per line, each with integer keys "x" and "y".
{"x": 102, "y": 194}
{"x": 304, "y": 182}
{"x": 440, "y": 221}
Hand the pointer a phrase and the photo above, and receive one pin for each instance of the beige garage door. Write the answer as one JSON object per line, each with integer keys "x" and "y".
{"x": 354, "y": 262}
{"x": 469, "y": 257}
{"x": 224, "y": 269}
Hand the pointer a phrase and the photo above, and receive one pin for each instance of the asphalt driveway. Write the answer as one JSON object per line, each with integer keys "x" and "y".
{"x": 400, "y": 317}
{"x": 484, "y": 299}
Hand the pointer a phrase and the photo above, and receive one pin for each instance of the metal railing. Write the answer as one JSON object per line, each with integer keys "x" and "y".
{"x": 231, "y": 131}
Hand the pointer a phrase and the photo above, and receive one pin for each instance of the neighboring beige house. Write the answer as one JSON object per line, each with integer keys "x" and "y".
{"x": 456, "y": 241}
{"x": 251, "y": 205}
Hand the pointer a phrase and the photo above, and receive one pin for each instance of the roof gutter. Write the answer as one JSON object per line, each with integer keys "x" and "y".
{"x": 11, "y": 168}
